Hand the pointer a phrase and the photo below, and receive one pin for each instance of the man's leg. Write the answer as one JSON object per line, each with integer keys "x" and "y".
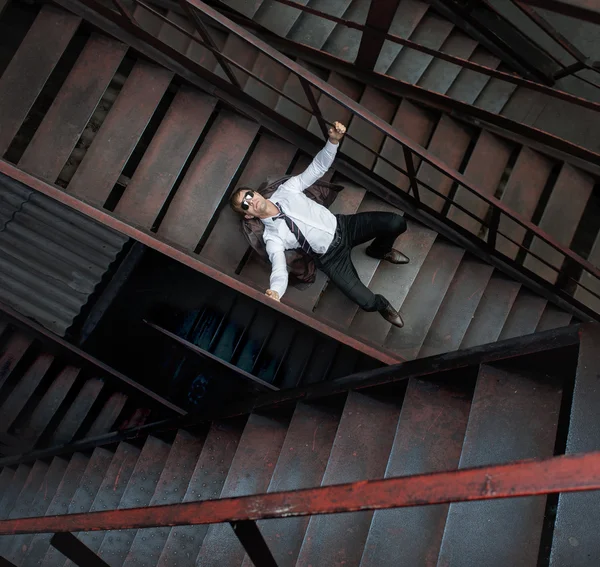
{"x": 341, "y": 272}
{"x": 381, "y": 226}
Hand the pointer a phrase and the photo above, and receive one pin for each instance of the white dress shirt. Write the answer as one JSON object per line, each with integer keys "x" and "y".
{"x": 315, "y": 221}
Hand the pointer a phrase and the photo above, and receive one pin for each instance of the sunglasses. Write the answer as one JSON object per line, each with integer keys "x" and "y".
{"x": 245, "y": 201}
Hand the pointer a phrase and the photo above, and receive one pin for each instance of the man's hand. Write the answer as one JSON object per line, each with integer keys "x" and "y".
{"x": 272, "y": 294}
{"x": 336, "y": 133}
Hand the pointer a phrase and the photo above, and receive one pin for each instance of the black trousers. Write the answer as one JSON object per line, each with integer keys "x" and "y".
{"x": 354, "y": 230}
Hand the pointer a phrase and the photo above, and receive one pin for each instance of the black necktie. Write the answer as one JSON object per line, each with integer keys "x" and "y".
{"x": 306, "y": 247}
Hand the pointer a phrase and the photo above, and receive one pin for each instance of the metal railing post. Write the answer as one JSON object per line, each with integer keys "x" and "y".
{"x": 412, "y": 174}
{"x": 493, "y": 228}
{"x": 75, "y": 550}
{"x": 313, "y": 104}
{"x": 254, "y": 543}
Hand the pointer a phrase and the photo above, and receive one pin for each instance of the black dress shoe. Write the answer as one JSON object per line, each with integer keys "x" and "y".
{"x": 393, "y": 256}
{"x": 392, "y": 316}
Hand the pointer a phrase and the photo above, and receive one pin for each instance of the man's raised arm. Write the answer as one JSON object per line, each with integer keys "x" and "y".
{"x": 321, "y": 162}
{"x": 279, "y": 273}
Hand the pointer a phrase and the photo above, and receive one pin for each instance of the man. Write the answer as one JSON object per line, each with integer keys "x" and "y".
{"x": 292, "y": 220}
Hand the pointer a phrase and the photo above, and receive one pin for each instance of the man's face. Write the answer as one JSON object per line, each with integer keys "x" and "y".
{"x": 255, "y": 202}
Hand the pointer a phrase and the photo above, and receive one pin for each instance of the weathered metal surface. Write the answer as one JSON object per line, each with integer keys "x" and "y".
{"x": 9, "y": 498}
{"x": 561, "y": 218}
{"x": 424, "y": 298}
{"x": 379, "y": 20}
{"x": 112, "y": 146}
{"x": 148, "y": 545}
{"x": 457, "y": 309}
{"x": 139, "y": 491}
{"x": 470, "y": 84}
{"x": 29, "y": 69}
{"x": 552, "y": 318}
{"x": 524, "y": 315}
{"x": 23, "y": 390}
{"x": 301, "y": 464}
{"x": 513, "y": 416}
{"x": 575, "y": 539}
{"x": 52, "y": 258}
{"x": 107, "y": 418}
{"x": 71, "y": 110}
{"x": 165, "y": 158}
{"x": 12, "y": 353}
{"x": 183, "y": 542}
{"x": 360, "y": 453}
{"x": 522, "y": 193}
{"x": 274, "y": 74}
{"x": 429, "y": 439}
{"x": 492, "y": 311}
{"x": 206, "y": 182}
{"x": 250, "y": 473}
{"x": 586, "y": 10}
{"x": 486, "y": 166}
{"x": 314, "y": 30}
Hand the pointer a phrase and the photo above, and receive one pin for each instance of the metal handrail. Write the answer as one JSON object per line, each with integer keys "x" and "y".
{"x": 310, "y": 82}
{"x": 494, "y": 73}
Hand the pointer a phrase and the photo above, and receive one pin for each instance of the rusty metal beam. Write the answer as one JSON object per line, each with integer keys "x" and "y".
{"x": 379, "y": 19}
{"x": 75, "y": 550}
{"x": 572, "y": 473}
{"x": 587, "y": 10}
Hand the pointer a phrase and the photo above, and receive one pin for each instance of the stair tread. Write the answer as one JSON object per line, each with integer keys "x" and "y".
{"x": 449, "y": 142}
{"x": 410, "y": 64}
{"x": 31, "y": 66}
{"x": 202, "y": 55}
{"x": 9, "y": 498}
{"x": 273, "y": 74}
{"x": 469, "y": 84}
{"x": 226, "y": 245}
{"x": 334, "y": 305}
{"x": 111, "y": 489}
{"x": 77, "y": 412}
{"x": 184, "y": 542}
{"x": 575, "y": 538}
{"x": 417, "y": 124}
{"x": 360, "y": 452}
{"x": 147, "y": 545}
{"x": 108, "y": 415}
{"x": 72, "y": 108}
{"x": 24, "y": 390}
{"x": 406, "y": 19}
{"x": 492, "y": 311}
{"x": 147, "y": 20}
{"x": 424, "y": 299}
{"x": 12, "y": 354}
{"x": 560, "y": 219}
{"x": 38, "y": 545}
{"x": 19, "y": 545}
{"x": 301, "y": 464}
{"x": 26, "y": 498}
{"x": 138, "y": 493}
{"x": 203, "y": 189}
{"x": 394, "y": 282}
{"x": 522, "y": 193}
{"x": 524, "y": 315}
{"x": 278, "y": 18}
{"x": 250, "y": 473}
{"x": 314, "y": 30}
{"x": 248, "y": 7}
{"x": 120, "y": 132}
{"x": 429, "y": 439}
{"x": 552, "y": 318}
{"x": 241, "y": 52}
{"x": 485, "y": 169}
{"x": 83, "y": 497}
{"x": 496, "y": 93}
{"x": 513, "y": 416}
{"x": 590, "y": 281}
{"x": 333, "y": 111}
{"x": 165, "y": 157}
{"x": 293, "y": 89}
{"x": 440, "y": 74}
{"x": 344, "y": 42}
{"x": 172, "y": 36}
{"x": 31, "y": 428}
{"x": 458, "y": 308}
{"x": 382, "y": 105}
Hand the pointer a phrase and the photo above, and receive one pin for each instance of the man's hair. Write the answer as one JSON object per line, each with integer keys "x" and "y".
{"x": 233, "y": 200}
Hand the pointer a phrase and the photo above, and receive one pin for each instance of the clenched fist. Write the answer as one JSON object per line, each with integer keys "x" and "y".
{"x": 336, "y": 132}
{"x": 272, "y": 294}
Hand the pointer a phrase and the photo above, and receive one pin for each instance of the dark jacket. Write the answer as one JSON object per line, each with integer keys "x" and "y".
{"x": 301, "y": 267}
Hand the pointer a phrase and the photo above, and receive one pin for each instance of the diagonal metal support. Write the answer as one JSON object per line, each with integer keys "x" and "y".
{"x": 254, "y": 543}
{"x": 313, "y": 104}
{"x": 6, "y": 562}
{"x": 207, "y": 38}
{"x": 379, "y": 19}
{"x": 75, "y": 550}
